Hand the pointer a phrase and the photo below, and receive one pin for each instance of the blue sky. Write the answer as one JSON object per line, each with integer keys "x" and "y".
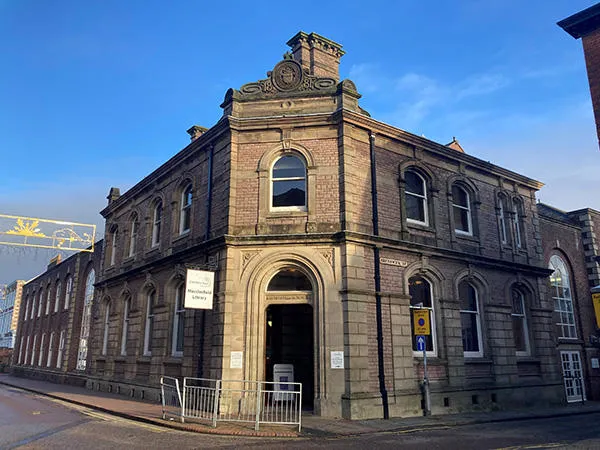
{"x": 98, "y": 94}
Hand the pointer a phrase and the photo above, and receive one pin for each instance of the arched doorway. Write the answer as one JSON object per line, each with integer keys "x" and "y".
{"x": 289, "y": 329}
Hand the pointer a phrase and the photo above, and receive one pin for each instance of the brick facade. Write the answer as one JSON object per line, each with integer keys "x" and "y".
{"x": 52, "y": 307}
{"x": 586, "y": 25}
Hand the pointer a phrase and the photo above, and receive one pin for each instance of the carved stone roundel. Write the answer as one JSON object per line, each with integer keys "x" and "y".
{"x": 287, "y": 75}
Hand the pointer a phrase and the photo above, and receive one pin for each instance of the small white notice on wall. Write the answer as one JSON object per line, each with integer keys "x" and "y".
{"x": 337, "y": 360}
{"x": 595, "y": 363}
{"x": 235, "y": 361}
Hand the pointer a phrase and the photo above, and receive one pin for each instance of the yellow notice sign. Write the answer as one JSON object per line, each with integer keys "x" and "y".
{"x": 596, "y": 302}
{"x": 421, "y": 322}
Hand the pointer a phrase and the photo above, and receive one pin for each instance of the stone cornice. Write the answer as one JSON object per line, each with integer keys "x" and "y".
{"x": 434, "y": 147}
{"x": 212, "y": 133}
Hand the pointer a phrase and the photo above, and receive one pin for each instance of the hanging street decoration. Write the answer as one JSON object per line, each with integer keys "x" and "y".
{"x": 45, "y": 233}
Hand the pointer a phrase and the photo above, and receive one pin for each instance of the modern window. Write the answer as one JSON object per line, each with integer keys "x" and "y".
{"x": 148, "y": 332}
{"x": 421, "y": 297}
{"x": 185, "y": 215}
{"x": 519, "y": 322}
{"x": 288, "y": 184}
{"x": 563, "y": 299}
{"x": 416, "y": 198}
{"x": 106, "y": 328}
{"x": 57, "y": 296}
{"x": 503, "y": 218}
{"x": 178, "y": 321}
{"x": 86, "y": 321}
{"x": 50, "y": 349}
{"x": 125, "y": 327}
{"x": 518, "y": 223}
{"x": 133, "y": 234}
{"x": 48, "y": 299}
{"x": 61, "y": 350}
{"x": 68, "y": 291}
{"x": 42, "y": 342}
{"x": 156, "y": 223}
{"x": 113, "y": 246}
{"x": 461, "y": 208}
{"x": 470, "y": 319}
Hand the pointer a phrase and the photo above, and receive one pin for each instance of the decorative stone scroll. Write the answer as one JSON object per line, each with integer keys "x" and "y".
{"x": 288, "y": 76}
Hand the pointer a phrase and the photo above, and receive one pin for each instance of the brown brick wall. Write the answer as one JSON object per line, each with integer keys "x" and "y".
{"x": 591, "y": 47}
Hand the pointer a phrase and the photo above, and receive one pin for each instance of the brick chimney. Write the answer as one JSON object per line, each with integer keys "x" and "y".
{"x": 196, "y": 131}
{"x": 317, "y": 54}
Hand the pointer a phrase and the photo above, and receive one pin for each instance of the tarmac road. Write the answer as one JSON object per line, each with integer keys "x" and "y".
{"x": 31, "y": 421}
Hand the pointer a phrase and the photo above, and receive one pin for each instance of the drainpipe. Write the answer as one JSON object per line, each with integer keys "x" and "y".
{"x": 209, "y": 191}
{"x": 380, "y": 360}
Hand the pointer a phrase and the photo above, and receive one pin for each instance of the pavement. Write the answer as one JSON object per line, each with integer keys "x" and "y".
{"x": 312, "y": 426}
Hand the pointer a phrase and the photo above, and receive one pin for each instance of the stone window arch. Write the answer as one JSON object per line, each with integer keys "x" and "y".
{"x": 185, "y": 208}
{"x": 288, "y": 183}
{"x": 157, "y": 222}
{"x": 562, "y": 294}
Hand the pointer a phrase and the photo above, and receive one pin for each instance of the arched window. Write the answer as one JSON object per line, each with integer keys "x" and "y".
{"x": 57, "y": 296}
{"x": 50, "y": 349}
{"x": 149, "y": 330}
{"x": 68, "y": 291}
{"x": 27, "y": 307}
{"x": 133, "y": 233}
{"x": 156, "y": 223}
{"x": 61, "y": 350}
{"x": 113, "y": 245}
{"x": 21, "y": 350}
{"x": 461, "y": 208}
{"x": 289, "y": 280}
{"x": 421, "y": 297}
{"x": 125, "y": 327}
{"x": 563, "y": 298}
{"x": 33, "y": 350}
{"x": 42, "y": 343}
{"x": 48, "y": 299}
{"x": 32, "y": 312}
{"x": 416, "y": 198}
{"x": 503, "y": 218}
{"x": 518, "y": 223}
{"x": 85, "y": 320}
{"x": 106, "y": 327}
{"x": 40, "y": 303}
{"x": 288, "y": 184}
{"x": 519, "y": 321}
{"x": 27, "y": 350}
{"x": 470, "y": 319}
{"x": 178, "y": 321}
{"x": 185, "y": 215}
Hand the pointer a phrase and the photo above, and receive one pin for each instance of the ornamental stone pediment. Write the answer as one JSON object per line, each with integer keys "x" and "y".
{"x": 287, "y": 78}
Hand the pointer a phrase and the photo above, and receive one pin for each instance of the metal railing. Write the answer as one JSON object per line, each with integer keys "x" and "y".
{"x": 258, "y": 402}
{"x": 170, "y": 395}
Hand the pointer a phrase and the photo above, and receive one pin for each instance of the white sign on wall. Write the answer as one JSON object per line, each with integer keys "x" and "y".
{"x": 235, "y": 360}
{"x": 337, "y": 360}
{"x": 199, "y": 287}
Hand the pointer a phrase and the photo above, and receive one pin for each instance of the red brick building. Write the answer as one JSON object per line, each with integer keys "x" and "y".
{"x": 55, "y": 320}
{"x": 570, "y": 242}
{"x": 586, "y": 25}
